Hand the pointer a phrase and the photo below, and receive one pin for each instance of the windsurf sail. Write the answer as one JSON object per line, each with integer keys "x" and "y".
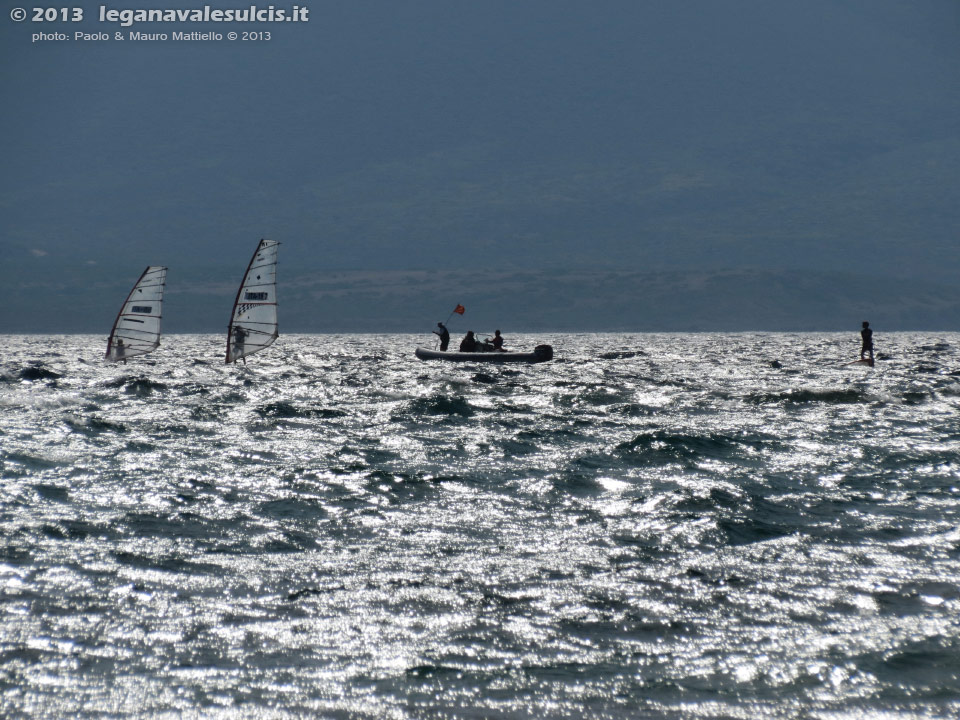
{"x": 253, "y": 324}
{"x": 136, "y": 331}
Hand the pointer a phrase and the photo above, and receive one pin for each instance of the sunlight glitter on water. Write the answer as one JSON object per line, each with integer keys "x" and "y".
{"x": 347, "y": 530}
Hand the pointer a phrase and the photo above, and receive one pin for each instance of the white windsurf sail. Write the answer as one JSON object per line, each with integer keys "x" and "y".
{"x": 136, "y": 331}
{"x": 253, "y": 324}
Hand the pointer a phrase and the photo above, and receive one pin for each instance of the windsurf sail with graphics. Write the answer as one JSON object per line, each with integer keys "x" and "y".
{"x": 253, "y": 323}
{"x": 136, "y": 331}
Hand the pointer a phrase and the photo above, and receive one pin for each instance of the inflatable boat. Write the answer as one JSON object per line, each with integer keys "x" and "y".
{"x": 541, "y": 353}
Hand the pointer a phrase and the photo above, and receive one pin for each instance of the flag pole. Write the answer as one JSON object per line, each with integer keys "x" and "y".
{"x": 454, "y": 311}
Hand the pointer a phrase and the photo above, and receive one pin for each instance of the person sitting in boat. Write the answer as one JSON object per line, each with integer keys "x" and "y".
{"x": 469, "y": 343}
{"x": 497, "y": 342}
{"x": 444, "y": 336}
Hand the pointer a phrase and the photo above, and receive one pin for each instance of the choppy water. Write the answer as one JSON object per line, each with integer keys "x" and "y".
{"x": 651, "y": 526}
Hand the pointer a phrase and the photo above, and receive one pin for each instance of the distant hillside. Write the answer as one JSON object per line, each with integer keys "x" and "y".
{"x": 588, "y": 300}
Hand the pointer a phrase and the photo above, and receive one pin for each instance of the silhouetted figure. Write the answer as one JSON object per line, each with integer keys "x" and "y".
{"x": 444, "y": 336}
{"x": 867, "y": 347}
{"x": 121, "y": 351}
{"x": 469, "y": 343}
{"x": 239, "y": 336}
{"x": 497, "y": 342}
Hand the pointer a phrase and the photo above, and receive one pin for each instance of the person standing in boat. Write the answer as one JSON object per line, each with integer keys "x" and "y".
{"x": 867, "y": 347}
{"x": 444, "y": 336}
{"x": 497, "y": 342}
{"x": 239, "y": 335}
{"x": 469, "y": 343}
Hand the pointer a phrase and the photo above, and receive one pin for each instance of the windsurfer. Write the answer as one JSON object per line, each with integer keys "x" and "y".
{"x": 444, "y": 336}
{"x": 469, "y": 343}
{"x": 867, "y": 347}
{"x": 239, "y": 335}
{"x": 121, "y": 351}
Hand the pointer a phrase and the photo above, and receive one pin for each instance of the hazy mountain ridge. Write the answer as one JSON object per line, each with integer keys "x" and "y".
{"x": 891, "y": 211}
{"x": 586, "y": 300}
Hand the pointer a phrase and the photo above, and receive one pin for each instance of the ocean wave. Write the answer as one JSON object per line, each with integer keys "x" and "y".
{"x": 620, "y": 354}
{"x": 802, "y": 396}
{"x": 440, "y": 405}
{"x": 136, "y": 385}
{"x": 38, "y": 372}
{"x": 203, "y": 413}
{"x": 28, "y": 461}
{"x": 94, "y": 425}
{"x": 285, "y": 409}
{"x": 749, "y": 530}
{"x": 660, "y": 445}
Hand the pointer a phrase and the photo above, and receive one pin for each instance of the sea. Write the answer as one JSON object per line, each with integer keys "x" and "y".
{"x": 693, "y": 525}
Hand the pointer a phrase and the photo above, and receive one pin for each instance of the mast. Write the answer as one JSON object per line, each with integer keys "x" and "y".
{"x": 253, "y": 322}
{"x": 136, "y": 331}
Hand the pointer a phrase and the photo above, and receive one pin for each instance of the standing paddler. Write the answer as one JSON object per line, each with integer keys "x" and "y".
{"x": 866, "y": 347}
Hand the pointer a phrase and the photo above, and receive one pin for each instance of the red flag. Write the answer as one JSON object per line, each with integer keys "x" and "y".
{"x": 459, "y": 309}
